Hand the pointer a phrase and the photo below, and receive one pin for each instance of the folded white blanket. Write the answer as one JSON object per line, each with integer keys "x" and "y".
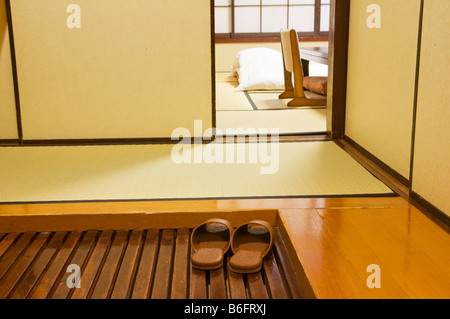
{"x": 259, "y": 69}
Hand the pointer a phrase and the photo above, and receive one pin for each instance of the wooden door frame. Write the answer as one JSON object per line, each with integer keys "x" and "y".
{"x": 337, "y": 67}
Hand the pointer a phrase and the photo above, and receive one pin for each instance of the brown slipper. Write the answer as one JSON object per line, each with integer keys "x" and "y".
{"x": 210, "y": 241}
{"x": 250, "y": 243}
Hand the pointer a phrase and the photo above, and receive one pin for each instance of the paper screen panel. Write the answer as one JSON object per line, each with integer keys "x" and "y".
{"x": 135, "y": 69}
{"x": 381, "y": 80}
{"x": 431, "y": 170}
{"x": 8, "y": 119}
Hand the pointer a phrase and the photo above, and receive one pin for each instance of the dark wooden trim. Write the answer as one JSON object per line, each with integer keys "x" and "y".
{"x": 431, "y": 211}
{"x": 14, "y": 70}
{"x": 234, "y": 34}
{"x": 337, "y": 66}
{"x": 213, "y": 65}
{"x": 397, "y": 176}
{"x": 375, "y": 169}
{"x": 317, "y": 7}
{"x": 221, "y": 39}
{"x": 126, "y": 141}
{"x": 10, "y": 142}
{"x": 233, "y": 20}
{"x": 169, "y": 199}
{"x": 103, "y": 141}
{"x": 290, "y": 138}
{"x": 416, "y": 91}
{"x": 268, "y": 35}
{"x": 309, "y": 136}
{"x": 395, "y": 181}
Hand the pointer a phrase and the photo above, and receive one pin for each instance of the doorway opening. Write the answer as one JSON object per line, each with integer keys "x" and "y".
{"x": 249, "y": 65}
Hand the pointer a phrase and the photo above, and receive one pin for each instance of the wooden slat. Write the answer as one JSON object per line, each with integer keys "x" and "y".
{"x": 51, "y": 274}
{"x": 197, "y": 282}
{"x": 91, "y": 272}
{"x": 124, "y": 278}
{"x": 62, "y": 290}
{"x": 161, "y": 283}
{"x": 180, "y": 265}
{"x": 256, "y": 287}
{"x": 8, "y": 281}
{"x": 236, "y": 284}
{"x": 111, "y": 266}
{"x": 30, "y": 278}
{"x": 123, "y": 264}
{"x": 217, "y": 288}
{"x": 144, "y": 276}
{"x": 290, "y": 277}
{"x": 274, "y": 278}
{"x": 7, "y": 242}
{"x": 15, "y": 250}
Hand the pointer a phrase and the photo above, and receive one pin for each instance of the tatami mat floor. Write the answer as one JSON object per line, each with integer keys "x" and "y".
{"x": 153, "y": 172}
{"x": 261, "y": 109}
{"x": 286, "y": 121}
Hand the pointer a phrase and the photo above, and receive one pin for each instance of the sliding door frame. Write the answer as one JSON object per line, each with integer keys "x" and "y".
{"x": 337, "y": 67}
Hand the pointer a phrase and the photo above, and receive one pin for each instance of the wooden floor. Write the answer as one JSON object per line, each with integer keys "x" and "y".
{"x": 142, "y": 264}
{"x": 338, "y": 246}
{"x": 330, "y": 241}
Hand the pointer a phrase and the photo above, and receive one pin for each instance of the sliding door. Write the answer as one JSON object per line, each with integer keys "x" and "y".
{"x": 8, "y": 120}
{"x": 382, "y": 57}
{"x": 95, "y": 69}
{"x": 431, "y": 167}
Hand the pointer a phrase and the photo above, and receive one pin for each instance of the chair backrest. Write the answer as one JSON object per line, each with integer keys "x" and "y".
{"x": 289, "y": 43}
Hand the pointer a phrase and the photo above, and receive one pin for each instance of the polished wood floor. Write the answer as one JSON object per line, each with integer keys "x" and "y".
{"x": 331, "y": 241}
{"x": 337, "y": 247}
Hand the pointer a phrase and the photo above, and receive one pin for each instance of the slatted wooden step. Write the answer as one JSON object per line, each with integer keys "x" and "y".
{"x": 141, "y": 264}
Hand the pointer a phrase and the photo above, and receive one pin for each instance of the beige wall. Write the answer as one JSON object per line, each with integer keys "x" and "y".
{"x": 8, "y": 119}
{"x": 381, "y": 85}
{"x": 130, "y": 71}
{"x": 381, "y": 80}
{"x": 431, "y": 171}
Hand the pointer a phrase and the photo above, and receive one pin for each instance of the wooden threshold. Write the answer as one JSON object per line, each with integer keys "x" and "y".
{"x": 166, "y": 214}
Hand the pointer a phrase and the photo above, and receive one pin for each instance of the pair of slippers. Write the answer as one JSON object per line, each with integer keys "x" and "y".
{"x": 250, "y": 243}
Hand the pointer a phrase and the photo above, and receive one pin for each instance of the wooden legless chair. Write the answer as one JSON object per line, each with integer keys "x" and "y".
{"x": 292, "y": 65}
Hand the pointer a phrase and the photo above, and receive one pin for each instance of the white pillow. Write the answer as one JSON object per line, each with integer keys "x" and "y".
{"x": 259, "y": 69}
